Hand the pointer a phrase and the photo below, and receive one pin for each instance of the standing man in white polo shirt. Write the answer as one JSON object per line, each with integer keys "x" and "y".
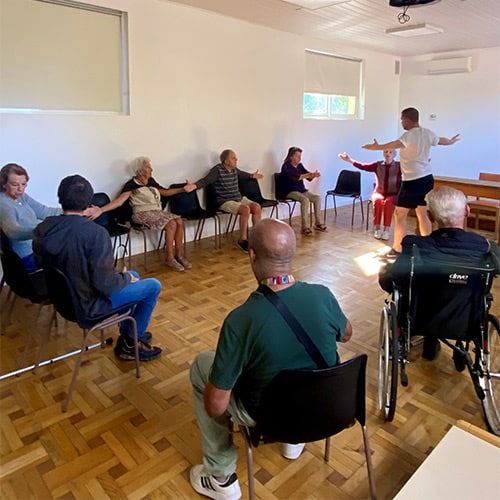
{"x": 415, "y": 145}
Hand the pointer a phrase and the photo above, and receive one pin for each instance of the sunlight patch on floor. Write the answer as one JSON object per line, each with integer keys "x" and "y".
{"x": 369, "y": 263}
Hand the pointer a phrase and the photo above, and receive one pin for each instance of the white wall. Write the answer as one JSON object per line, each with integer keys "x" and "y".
{"x": 464, "y": 103}
{"x": 200, "y": 83}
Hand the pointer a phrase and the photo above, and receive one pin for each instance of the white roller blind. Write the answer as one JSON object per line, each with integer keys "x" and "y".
{"x": 57, "y": 56}
{"x": 333, "y": 75}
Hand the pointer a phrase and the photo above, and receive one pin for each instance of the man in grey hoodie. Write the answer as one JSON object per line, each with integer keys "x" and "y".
{"x": 82, "y": 250}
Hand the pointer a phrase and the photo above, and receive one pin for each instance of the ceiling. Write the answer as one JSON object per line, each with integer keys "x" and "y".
{"x": 466, "y": 24}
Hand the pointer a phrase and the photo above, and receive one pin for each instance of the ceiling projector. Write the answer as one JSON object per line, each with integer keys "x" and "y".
{"x": 410, "y": 3}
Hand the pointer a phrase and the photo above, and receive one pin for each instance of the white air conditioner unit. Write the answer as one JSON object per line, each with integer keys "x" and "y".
{"x": 447, "y": 66}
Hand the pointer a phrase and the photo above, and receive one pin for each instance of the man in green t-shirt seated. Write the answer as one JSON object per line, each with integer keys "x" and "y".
{"x": 255, "y": 344}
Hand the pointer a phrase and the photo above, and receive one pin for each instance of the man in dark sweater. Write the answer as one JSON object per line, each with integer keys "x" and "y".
{"x": 82, "y": 250}
{"x": 224, "y": 177}
{"x": 450, "y": 242}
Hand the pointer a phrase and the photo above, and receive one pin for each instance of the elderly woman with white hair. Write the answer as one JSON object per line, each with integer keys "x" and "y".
{"x": 143, "y": 194}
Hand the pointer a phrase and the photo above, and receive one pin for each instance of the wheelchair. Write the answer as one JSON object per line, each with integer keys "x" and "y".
{"x": 450, "y": 301}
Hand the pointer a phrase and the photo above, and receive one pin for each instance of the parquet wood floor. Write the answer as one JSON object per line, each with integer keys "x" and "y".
{"x": 124, "y": 437}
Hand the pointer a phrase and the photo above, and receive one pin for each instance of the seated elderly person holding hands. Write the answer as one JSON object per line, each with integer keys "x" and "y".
{"x": 224, "y": 177}
{"x": 255, "y": 344}
{"x": 20, "y": 213}
{"x": 292, "y": 178}
{"x": 448, "y": 208}
{"x": 385, "y": 194}
{"x": 82, "y": 250}
{"x": 143, "y": 194}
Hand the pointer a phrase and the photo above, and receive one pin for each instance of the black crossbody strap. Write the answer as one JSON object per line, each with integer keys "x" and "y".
{"x": 301, "y": 334}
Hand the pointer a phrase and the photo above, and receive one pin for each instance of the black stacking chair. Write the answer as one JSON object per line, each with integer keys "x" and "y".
{"x": 211, "y": 204}
{"x": 67, "y": 304}
{"x": 27, "y": 285}
{"x": 281, "y": 197}
{"x": 251, "y": 189}
{"x": 348, "y": 185}
{"x": 120, "y": 233}
{"x": 187, "y": 205}
{"x": 300, "y": 406}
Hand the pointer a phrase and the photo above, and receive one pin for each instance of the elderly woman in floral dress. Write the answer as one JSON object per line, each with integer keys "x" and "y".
{"x": 143, "y": 194}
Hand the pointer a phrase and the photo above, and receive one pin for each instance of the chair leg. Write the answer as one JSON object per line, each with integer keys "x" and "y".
{"x": 136, "y": 345}
{"x": 369, "y": 464}
{"x": 368, "y": 213}
{"x": 324, "y": 209}
{"x": 67, "y": 399}
{"x": 291, "y": 209}
{"x": 352, "y": 216}
{"x": 10, "y": 307}
{"x": 249, "y": 452}
{"x": 216, "y": 232}
{"x": 327, "y": 449}
{"x": 145, "y": 246}
{"x": 44, "y": 339}
{"x": 160, "y": 239}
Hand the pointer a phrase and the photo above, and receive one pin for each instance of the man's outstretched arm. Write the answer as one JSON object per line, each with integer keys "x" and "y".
{"x": 375, "y": 146}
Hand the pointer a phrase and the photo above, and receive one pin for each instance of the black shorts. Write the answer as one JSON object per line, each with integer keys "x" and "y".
{"x": 412, "y": 193}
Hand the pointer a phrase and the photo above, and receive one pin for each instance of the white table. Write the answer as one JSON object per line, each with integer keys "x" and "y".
{"x": 461, "y": 467}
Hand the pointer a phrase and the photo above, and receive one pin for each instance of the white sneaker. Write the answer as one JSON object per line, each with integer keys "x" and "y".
{"x": 377, "y": 234}
{"x": 385, "y": 235}
{"x": 206, "y": 484}
{"x": 292, "y": 451}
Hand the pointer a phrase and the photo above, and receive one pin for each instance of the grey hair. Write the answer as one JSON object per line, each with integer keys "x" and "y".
{"x": 447, "y": 205}
{"x": 137, "y": 164}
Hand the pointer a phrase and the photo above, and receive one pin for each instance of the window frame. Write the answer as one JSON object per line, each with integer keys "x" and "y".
{"x": 357, "y": 114}
{"x": 117, "y": 103}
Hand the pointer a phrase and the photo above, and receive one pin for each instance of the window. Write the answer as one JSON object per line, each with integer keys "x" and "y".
{"x": 333, "y": 87}
{"x": 62, "y": 55}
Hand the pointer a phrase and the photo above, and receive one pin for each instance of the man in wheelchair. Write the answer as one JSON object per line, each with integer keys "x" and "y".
{"x": 449, "y": 243}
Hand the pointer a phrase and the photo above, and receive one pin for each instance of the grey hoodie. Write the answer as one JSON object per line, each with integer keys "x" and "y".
{"x": 82, "y": 250}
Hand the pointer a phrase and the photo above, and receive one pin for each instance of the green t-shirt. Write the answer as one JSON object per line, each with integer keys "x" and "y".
{"x": 256, "y": 343}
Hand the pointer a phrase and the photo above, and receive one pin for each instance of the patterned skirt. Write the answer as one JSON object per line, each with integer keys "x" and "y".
{"x": 154, "y": 219}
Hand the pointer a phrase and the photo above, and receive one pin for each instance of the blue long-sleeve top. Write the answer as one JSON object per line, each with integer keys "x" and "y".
{"x": 18, "y": 219}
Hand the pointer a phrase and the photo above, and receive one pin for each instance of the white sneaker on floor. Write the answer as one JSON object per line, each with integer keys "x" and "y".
{"x": 292, "y": 451}
{"x": 385, "y": 235}
{"x": 377, "y": 234}
{"x": 205, "y": 484}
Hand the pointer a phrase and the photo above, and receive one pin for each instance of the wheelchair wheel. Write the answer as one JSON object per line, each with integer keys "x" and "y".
{"x": 491, "y": 375}
{"x": 388, "y": 362}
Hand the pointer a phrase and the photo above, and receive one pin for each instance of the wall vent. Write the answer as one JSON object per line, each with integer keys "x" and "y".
{"x": 448, "y": 66}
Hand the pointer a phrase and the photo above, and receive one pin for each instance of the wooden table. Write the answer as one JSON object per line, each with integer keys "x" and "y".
{"x": 463, "y": 466}
{"x": 470, "y": 187}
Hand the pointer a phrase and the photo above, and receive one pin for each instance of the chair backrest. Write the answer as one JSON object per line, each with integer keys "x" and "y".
{"x": 184, "y": 204}
{"x": 348, "y": 183}
{"x": 301, "y": 406}
{"x": 28, "y": 285}
{"x": 123, "y": 214}
{"x": 107, "y": 218}
{"x": 448, "y": 298}
{"x": 64, "y": 297}
{"x": 251, "y": 189}
{"x": 278, "y": 187}
{"x": 211, "y": 199}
